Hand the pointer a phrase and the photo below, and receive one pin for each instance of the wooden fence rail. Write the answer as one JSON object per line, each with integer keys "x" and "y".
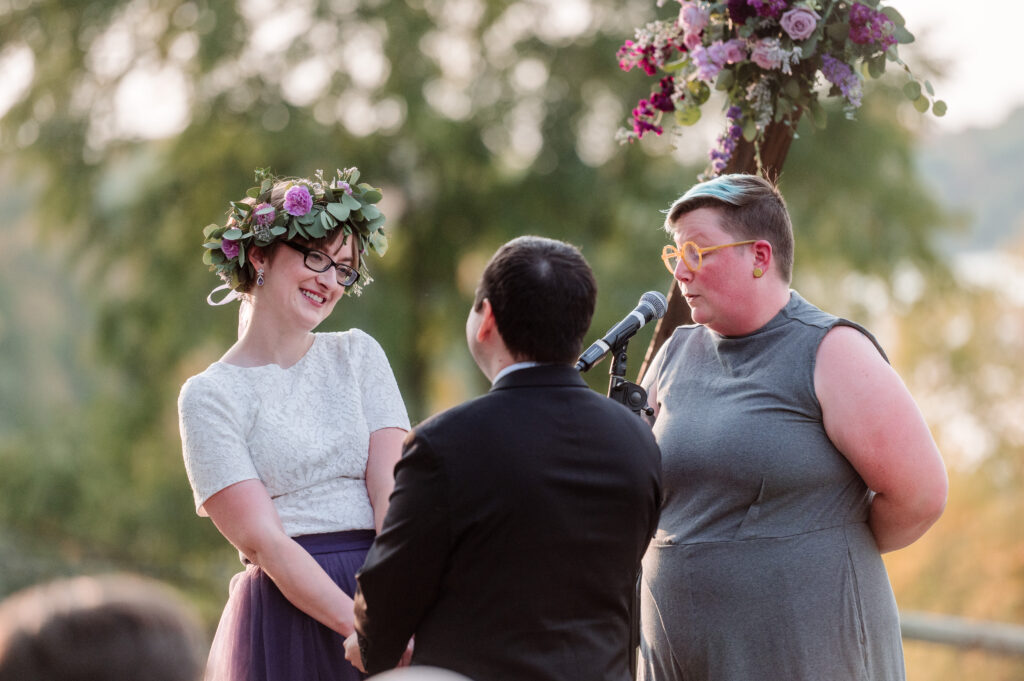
{"x": 1007, "y": 639}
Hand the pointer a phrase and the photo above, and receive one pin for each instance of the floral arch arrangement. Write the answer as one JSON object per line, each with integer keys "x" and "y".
{"x": 766, "y": 57}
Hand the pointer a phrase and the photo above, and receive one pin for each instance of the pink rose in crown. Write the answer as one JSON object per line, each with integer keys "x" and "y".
{"x": 799, "y": 23}
{"x": 229, "y": 248}
{"x": 297, "y": 201}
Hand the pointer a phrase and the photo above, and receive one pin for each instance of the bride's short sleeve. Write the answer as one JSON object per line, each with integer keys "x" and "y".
{"x": 383, "y": 406}
{"x": 214, "y": 424}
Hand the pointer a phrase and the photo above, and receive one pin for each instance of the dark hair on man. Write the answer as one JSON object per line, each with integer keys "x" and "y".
{"x": 751, "y": 208}
{"x": 543, "y": 293}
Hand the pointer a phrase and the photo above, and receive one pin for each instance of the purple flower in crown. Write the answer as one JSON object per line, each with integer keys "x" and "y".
{"x": 229, "y": 248}
{"x": 297, "y": 201}
{"x": 344, "y": 186}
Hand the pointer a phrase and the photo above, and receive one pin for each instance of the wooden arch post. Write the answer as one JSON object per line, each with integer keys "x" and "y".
{"x": 774, "y": 147}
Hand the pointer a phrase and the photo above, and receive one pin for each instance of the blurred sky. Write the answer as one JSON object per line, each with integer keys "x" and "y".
{"x": 980, "y": 46}
{"x": 978, "y": 49}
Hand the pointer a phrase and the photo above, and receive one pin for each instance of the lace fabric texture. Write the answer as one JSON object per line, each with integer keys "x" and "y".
{"x": 303, "y": 431}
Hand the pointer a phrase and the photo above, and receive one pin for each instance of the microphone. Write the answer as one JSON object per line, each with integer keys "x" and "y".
{"x": 652, "y": 305}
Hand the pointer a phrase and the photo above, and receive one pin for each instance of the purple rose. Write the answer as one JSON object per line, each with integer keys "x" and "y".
{"x": 704, "y": 60}
{"x": 799, "y": 23}
{"x": 263, "y": 214}
{"x": 735, "y": 51}
{"x": 297, "y": 201}
{"x": 767, "y": 54}
{"x": 229, "y": 248}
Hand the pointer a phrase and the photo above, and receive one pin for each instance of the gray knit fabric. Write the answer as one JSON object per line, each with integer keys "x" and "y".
{"x": 763, "y": 566}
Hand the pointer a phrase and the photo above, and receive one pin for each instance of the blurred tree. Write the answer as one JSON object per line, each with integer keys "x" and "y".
{"x": 481, "y": 121}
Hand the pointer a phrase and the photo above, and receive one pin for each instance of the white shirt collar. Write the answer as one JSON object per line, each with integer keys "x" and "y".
{"x": 515, "y": 367}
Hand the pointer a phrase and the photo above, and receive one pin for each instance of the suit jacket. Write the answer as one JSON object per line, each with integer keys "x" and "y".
{"x": 513, "y": 540}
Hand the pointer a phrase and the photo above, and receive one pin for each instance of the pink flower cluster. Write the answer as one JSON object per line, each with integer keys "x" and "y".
{"x": 871, "y": 26}
{"x": 297, "y": 201}
{"x": 646, "y": 113}
{"x": 646, "y": 55}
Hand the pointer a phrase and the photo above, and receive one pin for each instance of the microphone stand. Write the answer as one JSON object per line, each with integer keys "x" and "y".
{"x": 623, "y": 391}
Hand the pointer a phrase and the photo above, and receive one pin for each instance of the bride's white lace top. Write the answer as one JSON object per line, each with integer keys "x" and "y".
{"x": 304, "y": 431}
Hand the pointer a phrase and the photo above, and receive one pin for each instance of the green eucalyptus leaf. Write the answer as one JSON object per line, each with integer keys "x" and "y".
{"x": 234, "y": 234}
{"x": 218, "y": 257}
{"x": 688, "y": 116}
{"x": 372, "y": 195}
{"x": 370, "y": 211}
{"x": 315, "y": 229}
{"x": 208, "y": 257}
{"x": 928, "y": 87}
{"x": 350, "y": 202}
{"x": 811, "y": 45}
{"x": 338, "y": 210}
{"x": 922, "y": 104}
{"x": 293, "y": 231}
{"x": 379, "y": 242}
{"x": 241, "y": 255}
{"x": 939, "y": 108}
{"x": 376, "y": 223}
{"x": 876, "y": 66}
{"x": 277, "y": 231}
{"x": 725, "y": 79}
{"x": 699, "y": 91}
{"x": 912, "y": 90}
{"x": 307, "y": 219}
{"x": 673, "y": 66}
{"x": 354, "y": 177}
{"x": 903, "y": 36}
{"x": 266, "y": 186}
{"x": 327, "y": 221}
{"x": 243, "y": 207}
{"x": 253, "y": 192}
{"x": 894, "y": 16}
{"x": 212, "y": 244}
{"x": 749, "y": 131}
{"x": 209, "y": 230}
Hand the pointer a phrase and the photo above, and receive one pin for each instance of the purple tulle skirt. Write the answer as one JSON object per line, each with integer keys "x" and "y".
{"x": 263, "y": 637}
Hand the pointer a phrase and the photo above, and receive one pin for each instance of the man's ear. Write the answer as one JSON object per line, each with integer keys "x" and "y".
{"x": 488, "y": 325}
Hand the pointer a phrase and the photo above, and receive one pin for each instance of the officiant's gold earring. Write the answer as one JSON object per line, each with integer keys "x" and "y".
{"x": 758, "y": 272}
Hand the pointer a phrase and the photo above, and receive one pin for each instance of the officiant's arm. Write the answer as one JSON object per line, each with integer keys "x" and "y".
{"x": 403, "y": 570}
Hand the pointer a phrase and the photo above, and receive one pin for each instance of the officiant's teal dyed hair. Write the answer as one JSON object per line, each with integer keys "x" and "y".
{"x": 751, "y": 208}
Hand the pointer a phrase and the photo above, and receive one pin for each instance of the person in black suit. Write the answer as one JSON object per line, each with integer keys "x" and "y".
{"x": 514, "y": 535}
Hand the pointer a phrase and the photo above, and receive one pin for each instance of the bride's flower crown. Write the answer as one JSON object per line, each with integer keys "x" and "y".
{"x": 288, "y": 208}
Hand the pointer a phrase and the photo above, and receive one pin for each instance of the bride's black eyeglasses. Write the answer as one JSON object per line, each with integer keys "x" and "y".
{"x": 321, "y": 262}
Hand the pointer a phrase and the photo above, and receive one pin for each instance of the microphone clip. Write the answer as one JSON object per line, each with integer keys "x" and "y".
{"x": 626, "y": 392}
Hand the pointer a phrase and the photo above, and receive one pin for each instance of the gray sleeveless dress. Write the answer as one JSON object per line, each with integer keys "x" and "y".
{"x": 763, "y": 566}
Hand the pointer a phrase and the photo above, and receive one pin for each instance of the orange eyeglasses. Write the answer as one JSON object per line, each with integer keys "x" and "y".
{"x": 692, "y": 255}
